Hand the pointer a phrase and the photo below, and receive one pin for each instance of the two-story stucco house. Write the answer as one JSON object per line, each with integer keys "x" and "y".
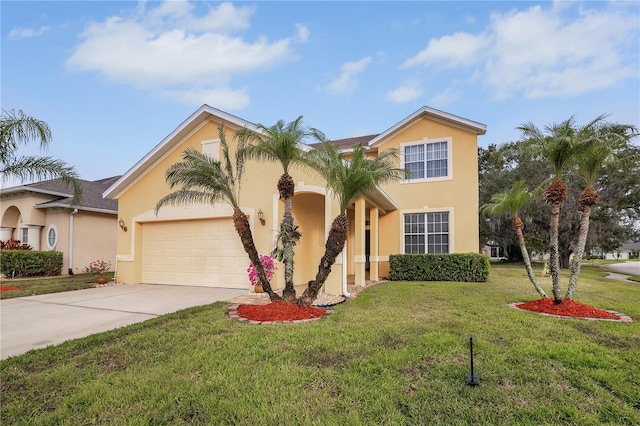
{"x": 435, "y": 211}
{"x": 44, "y": 216}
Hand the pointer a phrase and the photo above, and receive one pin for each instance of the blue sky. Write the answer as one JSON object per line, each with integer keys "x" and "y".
{"x": 113, "y": 78}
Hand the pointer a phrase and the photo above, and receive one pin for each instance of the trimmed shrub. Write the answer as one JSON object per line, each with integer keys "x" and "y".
{"x": 26, "y": 263}
{"x": 467, "y": 267}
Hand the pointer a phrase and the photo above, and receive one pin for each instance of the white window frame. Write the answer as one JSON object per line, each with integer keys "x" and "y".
{"x": 427, "y": 141}
{"x": 211, "y": 147}
{"x": 24, "y": 235}
{"x": 55, "y": 242}
{"x": 426, "y": 210}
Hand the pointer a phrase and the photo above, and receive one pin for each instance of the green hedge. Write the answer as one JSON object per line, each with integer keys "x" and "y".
{"x": 467, "y": 267}
{"x": 26, "y": 263}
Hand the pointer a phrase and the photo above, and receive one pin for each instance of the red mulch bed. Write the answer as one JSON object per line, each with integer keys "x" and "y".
{"x": 8, "y": 287}
{"x": 568, "y": 308}
{"x": 279, "y": 311}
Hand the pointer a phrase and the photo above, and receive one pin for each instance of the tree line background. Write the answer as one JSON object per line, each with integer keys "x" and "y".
{"x": 614, "y": 221}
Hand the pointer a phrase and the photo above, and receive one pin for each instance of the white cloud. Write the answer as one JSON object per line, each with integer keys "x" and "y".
{"x": 303, "y": 33}
{"x": 450, "y": 51}
{"x": 405, "y": 93}
{"x": 346, "y": 81}
{"x": 168, "y": 48}
{"x": 219, "y": 97}
{"x": 445, "y": 98}
{"x": 21, "y": 32}
{"x": 564, "y": 50}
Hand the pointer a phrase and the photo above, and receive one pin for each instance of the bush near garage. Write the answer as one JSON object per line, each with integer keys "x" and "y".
{"x": 465, "y": 267}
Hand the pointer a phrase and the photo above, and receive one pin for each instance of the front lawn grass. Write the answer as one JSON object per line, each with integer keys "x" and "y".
{"x": 397, "y": 354}
{"x": 32, "y": 287}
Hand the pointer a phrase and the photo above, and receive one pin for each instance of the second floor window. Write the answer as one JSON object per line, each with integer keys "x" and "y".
{"x": 427, "y": 160}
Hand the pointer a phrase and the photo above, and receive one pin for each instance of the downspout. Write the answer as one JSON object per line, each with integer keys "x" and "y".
{"x": 344, "y": 272}
{"x": 70, "y": 251}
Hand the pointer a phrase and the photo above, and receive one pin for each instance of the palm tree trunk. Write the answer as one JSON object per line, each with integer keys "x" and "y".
{"x": 286, "y": 232}
{"x": 241, "y": 224}
{"x": 335, "y": 243}
{"x": 576, "y": 264}
{"x": 527, "y": 263}
{"x": 554, "y": 259}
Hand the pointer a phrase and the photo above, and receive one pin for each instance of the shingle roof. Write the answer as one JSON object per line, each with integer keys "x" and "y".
{"x": 91, "y": 194}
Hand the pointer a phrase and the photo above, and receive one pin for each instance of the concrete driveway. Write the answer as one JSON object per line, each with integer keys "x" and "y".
{"x": 630, "y": 268}
{"x": 38, "y": 321}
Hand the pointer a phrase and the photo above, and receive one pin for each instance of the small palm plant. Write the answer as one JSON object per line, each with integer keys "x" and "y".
{"x": 281, "y": 143}
{"x": 347, "y": 180}
{"x": 511, "y": 203}
{"x": 560, "y": 144}
{"x": 601, "y": 148}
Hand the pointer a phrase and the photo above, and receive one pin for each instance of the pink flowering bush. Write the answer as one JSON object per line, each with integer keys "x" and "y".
{"x": 269, "y": 265}
{"x": 98, "y": 267}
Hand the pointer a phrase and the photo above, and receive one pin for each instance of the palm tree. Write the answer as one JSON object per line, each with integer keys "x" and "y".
{"x": 347, "y": 181}
{"x": 17, "y": 128}
{"x": 510, "y": 203}
{"x": 281, "y": 143}
{"x": 201, "y": 179}
{"x": 601, "y": 149}
{"x": 559, "y": 144}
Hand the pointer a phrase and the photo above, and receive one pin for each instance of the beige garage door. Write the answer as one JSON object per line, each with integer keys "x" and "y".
{"x": 204, "y": 253}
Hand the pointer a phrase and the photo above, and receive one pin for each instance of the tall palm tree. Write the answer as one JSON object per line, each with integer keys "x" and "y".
{"x": 281, "y": 143}
{"x": 559, "y": 144}
{"x": 201, "y": 179}
{"x": 510, "y": 203}
{"x": 347, "y": 180}
{"x": 601, "y": 146}
{"x": 17, "y": 128}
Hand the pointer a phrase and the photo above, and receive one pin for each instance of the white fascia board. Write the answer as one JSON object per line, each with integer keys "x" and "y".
{"x": 81, "y": 208}
{"x": 23, "y": 188}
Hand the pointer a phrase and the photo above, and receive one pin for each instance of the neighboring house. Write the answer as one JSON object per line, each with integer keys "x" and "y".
{"x": 628, "y": 250}
{"x": 43, "y": 215}
{"x": 495, "y": 253}
{"x": 435, "y": 211}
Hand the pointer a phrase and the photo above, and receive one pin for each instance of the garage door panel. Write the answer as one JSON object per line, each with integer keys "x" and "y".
{"x": 197, "y": 253}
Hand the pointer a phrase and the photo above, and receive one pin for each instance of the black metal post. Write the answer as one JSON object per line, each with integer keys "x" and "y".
{"x": 472, "y": 378}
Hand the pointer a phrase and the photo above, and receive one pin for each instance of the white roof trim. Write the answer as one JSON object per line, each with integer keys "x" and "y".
{"x": 381, "y": 199}
{"x": 26, "y": 188}
{"x": 70, "y": 206}
{"x": 193, "y": 121}
{"x": 437, "y": 115}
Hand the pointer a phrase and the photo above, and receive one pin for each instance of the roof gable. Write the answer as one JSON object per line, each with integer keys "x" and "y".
{"x": 194, "y": 121}
{"x": 434, "y": 115}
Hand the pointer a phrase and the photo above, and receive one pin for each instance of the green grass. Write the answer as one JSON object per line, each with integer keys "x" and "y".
{"x": 397, "y": 354}
{"x": 32, "y": 287}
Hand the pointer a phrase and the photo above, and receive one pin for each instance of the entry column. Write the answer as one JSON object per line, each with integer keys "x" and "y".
{"x": 373, "y": 243}
{"x": 360, "y": 256}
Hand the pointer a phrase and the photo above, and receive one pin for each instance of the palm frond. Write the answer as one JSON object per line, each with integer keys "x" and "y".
{"x": 278, "y": 143}
{"x": 350, "y": 179}
{"x": 202, "y": 179}
{"x": 18, "y": 128}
